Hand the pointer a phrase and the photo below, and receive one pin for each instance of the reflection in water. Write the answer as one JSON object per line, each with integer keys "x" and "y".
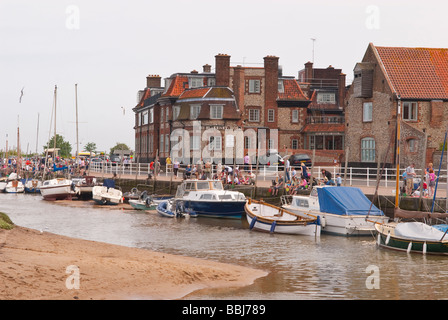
{"x": 299, "y": 267}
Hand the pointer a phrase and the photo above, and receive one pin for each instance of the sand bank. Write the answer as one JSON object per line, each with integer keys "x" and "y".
{"x": 35, "y": 265}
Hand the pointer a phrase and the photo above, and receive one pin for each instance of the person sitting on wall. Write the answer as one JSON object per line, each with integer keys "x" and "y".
{"x": 188, "y": 172}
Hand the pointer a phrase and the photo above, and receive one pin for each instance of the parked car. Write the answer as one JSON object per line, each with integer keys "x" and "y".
{"x": 98, "y": 162}
{"x": 296, "y": 160}
{"x": 115, "y": 160}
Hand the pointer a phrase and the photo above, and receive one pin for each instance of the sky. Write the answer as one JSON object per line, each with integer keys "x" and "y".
{"x": 108, "y": 47}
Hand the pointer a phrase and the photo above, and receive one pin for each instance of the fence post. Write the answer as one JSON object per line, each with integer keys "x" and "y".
{"x": 368, "y": 176}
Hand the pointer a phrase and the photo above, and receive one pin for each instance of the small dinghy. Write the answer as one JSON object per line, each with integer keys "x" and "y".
{"x": 173, "y": 209}
{"x": 144, "y": 202}
{"x": 265, "y": 217}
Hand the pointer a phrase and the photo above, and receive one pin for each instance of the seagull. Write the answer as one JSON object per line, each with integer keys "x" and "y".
{"x": 21, "y": 95}
{"x": 124, "y": 110}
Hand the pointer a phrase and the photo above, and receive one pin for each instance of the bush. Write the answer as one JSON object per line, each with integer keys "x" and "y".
{"x": 5, "y": 222}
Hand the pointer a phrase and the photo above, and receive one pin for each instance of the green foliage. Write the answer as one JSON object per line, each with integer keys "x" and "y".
{"x": 5, "y": 222}
{"x": 441, "y": 146}
{"x": 65, "y": 146}
{"x": 119, "y": 146}
{"x": 90, "y": 147}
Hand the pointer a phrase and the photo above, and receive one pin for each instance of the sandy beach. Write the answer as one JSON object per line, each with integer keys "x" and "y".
{"x": 38, "y": 265}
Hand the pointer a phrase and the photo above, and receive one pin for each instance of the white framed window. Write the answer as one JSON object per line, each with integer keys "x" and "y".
{"x": 176, "y": 111}
{"x": 216, "y": 111}
{"x": 294, "y": 144}
{"x": 144, "y": 117}
{"x": 215, "y": 143}
{"x": 151, "y": 115}
{"x": 295, "y": 116}
{"x": 326, "y": 97}
{"x": 196, "y": 82}
{"x": 167, "y": 142}
{"x": 254, "y": 86}
{"x": 254, "y": 115}
{"x": 410, "y": 111}
{"x": 162, "y": 142}
{"x": 211, "y": 82}
{"x": 194, "y": 111}
{"x": 367, "y": 109}
{"x": 271, "y": 144}
{"x": 247, "y": 142}
{"x": 167, "y": 114}
{"x": 271, "y": 115}
{"x": 368, "y": 150}
{"x": 281, "y": 88}
{"x": 161, "y": 115}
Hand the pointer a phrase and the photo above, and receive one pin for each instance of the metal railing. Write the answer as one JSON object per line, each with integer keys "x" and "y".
{"x": 354, "y": 177}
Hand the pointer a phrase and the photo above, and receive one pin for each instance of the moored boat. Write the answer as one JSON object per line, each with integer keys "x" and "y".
{"x": 107, "y": 194}
{"x": 414, "y": 237}
{"x": 343, "y": 210}
{"x": 207, "y": 198}
{"x": 265, "y": 217}
{"x": 84, "y": 186}
{"x": 14, "y": 186}
{"x": 57, "y": 189}
{"x": 173, "y": 209}
{"x": 32, "y": 186}
{"x": 144, "y": 202}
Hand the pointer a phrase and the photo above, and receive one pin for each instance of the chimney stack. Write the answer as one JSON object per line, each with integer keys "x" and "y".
{"x": 271, "y": 88}
{"x": 341, "y": 90}
{"x": 153, "y": 81}
{"x": 222, "y": 70}
{"x": 308, "y": 71}
{"x": 207, "y": 68}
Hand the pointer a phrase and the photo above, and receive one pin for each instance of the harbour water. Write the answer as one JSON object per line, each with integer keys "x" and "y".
{"x": 299, "y": 267}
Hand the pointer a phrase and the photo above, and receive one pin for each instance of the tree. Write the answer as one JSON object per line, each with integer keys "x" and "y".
{"x": 119, "y": 146}
{"x": 90, "y": 147}
{"x": 64, "y": 146}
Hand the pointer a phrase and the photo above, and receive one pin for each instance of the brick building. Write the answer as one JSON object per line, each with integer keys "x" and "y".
{"x": 274, "y": 111}
{"x": 324, "y": 128}
{"x": 416, "y": 79}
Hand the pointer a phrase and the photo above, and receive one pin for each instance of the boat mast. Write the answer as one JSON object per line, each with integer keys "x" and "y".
{"x": 397, "y": 159}
{"x": 49, "y": 133}
{"x": 77, "y": 139}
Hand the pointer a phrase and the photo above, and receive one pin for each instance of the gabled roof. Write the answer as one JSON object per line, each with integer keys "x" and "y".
{"x": 291, "y": 91}
{"x": 177, "y": 86}
{"x": 416, "y": 73}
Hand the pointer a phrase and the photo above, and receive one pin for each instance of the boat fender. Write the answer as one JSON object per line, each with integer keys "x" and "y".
{"x": 252, "y": 223}
{"x": 387, "y": 239}
{"x": 273, "y": 225}
{"x": 378, "y": 242}
{"x": 424, "y": 248}
{"x": 103, "y": 201}
{"x": 409, "y": 247}
{"x": 323, "y": 221}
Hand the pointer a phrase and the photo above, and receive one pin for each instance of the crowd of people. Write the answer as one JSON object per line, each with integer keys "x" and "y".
{"x": 411, "y": 185}
{"x": 32, "y": 167}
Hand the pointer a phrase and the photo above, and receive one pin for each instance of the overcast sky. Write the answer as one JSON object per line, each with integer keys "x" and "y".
{"x": 109, "y": 47}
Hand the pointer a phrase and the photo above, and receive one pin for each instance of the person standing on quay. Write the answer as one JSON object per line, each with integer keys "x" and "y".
{"x": 410, "y": 174}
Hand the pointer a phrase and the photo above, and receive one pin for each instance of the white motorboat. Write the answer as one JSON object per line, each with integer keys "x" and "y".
{"x": 14, "y": 186}
{"x": 57, "y": 189}
{"x": 84, "y": 186}
{"x": 343, "y": 210}
{"x": 107, "y": 194}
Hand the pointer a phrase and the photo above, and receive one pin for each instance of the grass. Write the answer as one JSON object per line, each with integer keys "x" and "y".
{"x": 5, "y": 222}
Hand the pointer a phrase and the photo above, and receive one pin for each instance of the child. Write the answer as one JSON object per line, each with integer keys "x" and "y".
{"x": 338, "y": 180}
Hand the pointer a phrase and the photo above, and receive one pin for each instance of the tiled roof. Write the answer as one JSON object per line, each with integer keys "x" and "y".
{"x": 194, "y": 93}
{"x": 291, "y": 92}
{"x": 146, "y": 95}
{"x": 416, "y": 73}
{"x": 177, "y": 86}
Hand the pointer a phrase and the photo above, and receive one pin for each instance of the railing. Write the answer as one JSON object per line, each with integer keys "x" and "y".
{"x": 355, "y": 176}
{"x": 325, "y": 119}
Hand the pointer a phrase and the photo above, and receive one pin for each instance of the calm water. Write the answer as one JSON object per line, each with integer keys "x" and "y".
{"x": 299, "y": 267}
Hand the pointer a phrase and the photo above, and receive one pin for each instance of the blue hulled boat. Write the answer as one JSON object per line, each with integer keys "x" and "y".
{"x": 207, "y": 198}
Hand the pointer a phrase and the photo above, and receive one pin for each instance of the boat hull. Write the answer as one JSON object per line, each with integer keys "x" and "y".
{"x": 15, "y": 187}
{"x": 216, "y": 209}
{"x": 305, "y": 229}
{"x": 106, "y": 196}
{"x": 52, "y": 193}
{"x": 141, "y": 205}
{"x": 387, "y": 239}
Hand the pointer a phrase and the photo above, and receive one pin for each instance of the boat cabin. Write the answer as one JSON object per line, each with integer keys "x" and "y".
{"x": 206, "y": 190}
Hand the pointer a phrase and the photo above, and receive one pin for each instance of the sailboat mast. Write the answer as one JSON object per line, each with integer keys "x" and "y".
{"x": 77, "y": 138}
{"x": 397, "y": 160}
{"x": 54, "y": 142}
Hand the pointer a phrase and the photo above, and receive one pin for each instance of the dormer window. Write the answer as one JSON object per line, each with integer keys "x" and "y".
{"x": 324, "y": 97}
{"x": 281, "y": 88}
{"x": 196, "y": 82}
